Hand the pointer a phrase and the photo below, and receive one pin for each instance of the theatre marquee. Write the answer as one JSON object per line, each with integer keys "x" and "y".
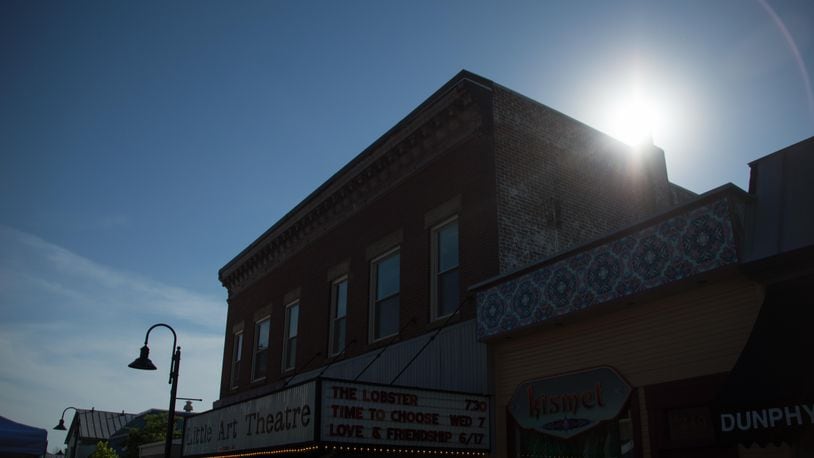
{"x": 327, "y": 413}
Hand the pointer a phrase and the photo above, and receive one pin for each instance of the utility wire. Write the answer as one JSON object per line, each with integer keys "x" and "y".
{"x": 296, "y": 373}
{"x": 336, "y": 357}
{"x": 432, "y": 337}
{"x": 397, "y": 339}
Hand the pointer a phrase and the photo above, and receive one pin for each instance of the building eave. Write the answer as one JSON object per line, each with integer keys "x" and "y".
{"x": 395, "y": 146}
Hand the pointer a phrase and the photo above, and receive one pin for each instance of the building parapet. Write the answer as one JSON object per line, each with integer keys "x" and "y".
{"x": 701, "y": 236}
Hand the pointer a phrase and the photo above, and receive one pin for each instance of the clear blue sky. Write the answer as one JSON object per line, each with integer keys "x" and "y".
{"x": 144, "y": 144}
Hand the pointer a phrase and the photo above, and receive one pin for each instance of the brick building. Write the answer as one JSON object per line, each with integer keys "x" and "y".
{"x": 366, "y": 279}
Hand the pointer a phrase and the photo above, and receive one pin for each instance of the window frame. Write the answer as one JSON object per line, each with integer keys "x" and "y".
{"x": 256, "y": 350}
{"x": 333, "y": 318}
{"x": 435, "y": 272}
{"x": 237, "y": 358}
{"x": 287, "y": 337}
{"x": 374, "y": 263}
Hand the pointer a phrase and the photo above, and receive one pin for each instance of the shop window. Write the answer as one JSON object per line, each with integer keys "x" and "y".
{"x": 445, "y": 285}
{"x": 292, "y": 318}
{"x": 339, "y": 312}
{"x": 261, "y": 349}
{"x": 612, "y": 438}
{"x": 237, "y": 356}
{"x": 385, "y": 288}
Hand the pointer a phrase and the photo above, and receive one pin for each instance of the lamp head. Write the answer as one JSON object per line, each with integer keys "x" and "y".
{"x": 61, "y": 425}
{"x": 143, "y": 361}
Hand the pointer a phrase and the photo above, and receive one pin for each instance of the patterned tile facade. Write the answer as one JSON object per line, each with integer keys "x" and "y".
{"x": 698, "y": 240}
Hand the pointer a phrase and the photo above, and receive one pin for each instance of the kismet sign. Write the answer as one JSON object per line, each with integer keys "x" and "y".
{"x": 566, "y": 405}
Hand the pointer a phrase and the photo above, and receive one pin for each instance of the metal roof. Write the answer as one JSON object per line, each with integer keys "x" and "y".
{"x": 99, "y": 424}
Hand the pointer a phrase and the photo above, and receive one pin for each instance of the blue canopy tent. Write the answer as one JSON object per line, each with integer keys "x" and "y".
{"x": 19, "y": 440}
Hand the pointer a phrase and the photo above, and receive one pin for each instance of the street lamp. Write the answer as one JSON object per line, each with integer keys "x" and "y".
{"x": 61, "y": 425}
{"x": 143, "y": 362}
{"x": 188, "y": 406}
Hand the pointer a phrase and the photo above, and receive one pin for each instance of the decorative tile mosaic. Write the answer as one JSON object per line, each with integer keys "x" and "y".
{"x": 697, "y": 241}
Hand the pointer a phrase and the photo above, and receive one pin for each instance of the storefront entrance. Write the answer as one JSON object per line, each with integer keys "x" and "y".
{"x": 610, "y": 439}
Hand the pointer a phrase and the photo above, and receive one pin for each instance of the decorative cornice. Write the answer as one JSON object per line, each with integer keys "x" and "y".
{"x": 399, "y": 154}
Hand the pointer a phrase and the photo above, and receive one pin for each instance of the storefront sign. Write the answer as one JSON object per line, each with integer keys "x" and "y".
{"x": 567, "y": 405}
{"x": 285, "y": 417}
{"x": 691, "y": 425}
{"x": 762, "y": 419}
{"x": 404, "y": 417}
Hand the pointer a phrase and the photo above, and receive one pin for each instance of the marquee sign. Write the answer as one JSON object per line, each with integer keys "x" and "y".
{"x": 281, "y": 418}
{"x": 403, "y": 417}
{"x": 342, "y": 412}
{"x": 566, "y": 405}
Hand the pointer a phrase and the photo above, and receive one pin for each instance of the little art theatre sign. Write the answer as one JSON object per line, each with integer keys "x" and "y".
{"x": 326, "y": 411}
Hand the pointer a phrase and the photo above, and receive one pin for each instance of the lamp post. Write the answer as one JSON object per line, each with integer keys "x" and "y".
{"x": 188, "y": 406}
{"x": 143, "y": 362}
{"x": 61, "y": 425}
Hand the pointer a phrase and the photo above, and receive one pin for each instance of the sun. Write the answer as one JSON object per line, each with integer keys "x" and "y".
{"x": 633, "y": 120}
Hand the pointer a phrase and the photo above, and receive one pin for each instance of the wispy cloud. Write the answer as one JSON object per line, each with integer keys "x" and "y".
{"x": 70, "y": 326}
{"x": 30, "y": 264}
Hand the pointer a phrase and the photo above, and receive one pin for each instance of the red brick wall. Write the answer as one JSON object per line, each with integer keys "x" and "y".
{"x": 561, "y": 183}
{"x": 465, "y": 171}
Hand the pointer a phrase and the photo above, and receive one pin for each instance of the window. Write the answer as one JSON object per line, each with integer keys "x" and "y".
{"x": 445, "y": 288}
{"x": 237, "y": 355}
{"x": 261, "y": 349}
{"x": 292, "y": 318}
{"x": 385, "y": 284}
{"x": 339, "y": 310}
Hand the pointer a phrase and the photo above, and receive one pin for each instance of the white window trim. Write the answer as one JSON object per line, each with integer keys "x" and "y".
{"x": 287, "y": 337}
{"x": 434, "y": 266}
{"x": 254, "y": 347}
{"x": 234, "y": 380}
{"x": 332, "y": 351}
{"x": 372, "y": 305}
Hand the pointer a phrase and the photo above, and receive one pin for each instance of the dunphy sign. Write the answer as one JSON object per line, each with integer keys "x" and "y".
{"x": 566, "y": 405}
{"x": 769, "y": 418}
{"x": 284, "y": 417}
{"x": 406, "y": 417}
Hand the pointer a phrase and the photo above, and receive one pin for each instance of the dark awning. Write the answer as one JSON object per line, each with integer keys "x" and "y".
{"x": 19, "y": 440}
{"x": 769, "y": 395}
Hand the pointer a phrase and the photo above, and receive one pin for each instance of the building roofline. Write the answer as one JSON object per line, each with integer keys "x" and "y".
{"x": 461, "y": 77}
{"x": 714, "y": 194}
{"x": 782, "y": 151}
{"x": 242, "y": 269}
{"x": 76, "y": 422}
{"x": 613, "y": 142}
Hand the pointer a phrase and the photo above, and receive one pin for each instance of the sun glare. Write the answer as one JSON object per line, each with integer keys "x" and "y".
{"x": 633, "y": 121}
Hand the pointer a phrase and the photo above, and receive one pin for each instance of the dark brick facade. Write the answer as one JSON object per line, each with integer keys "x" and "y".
{"x": 524, "y": 181}
{"x": 561, "y": 183}
{"x": 440, "y": 171}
